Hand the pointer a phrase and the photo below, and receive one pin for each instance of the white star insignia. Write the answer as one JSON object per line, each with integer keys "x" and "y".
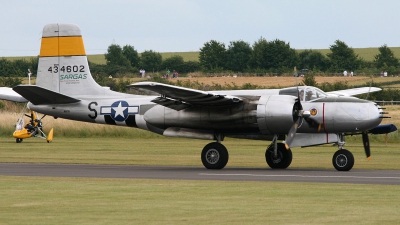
{"x": 119, "y": 110}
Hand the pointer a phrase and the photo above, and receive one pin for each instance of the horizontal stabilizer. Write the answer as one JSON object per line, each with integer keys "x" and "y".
{"x": 9, "y": 94}
{"x": 383, "y": 129}
{"x": 41, "y": 96}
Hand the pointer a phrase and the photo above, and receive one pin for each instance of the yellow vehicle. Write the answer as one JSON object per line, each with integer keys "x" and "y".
{"x": 31, "y": 129}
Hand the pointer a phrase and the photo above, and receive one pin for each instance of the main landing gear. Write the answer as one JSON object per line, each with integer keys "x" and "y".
{"x": 215, "y": 156}
{"x": 279, "y": 159}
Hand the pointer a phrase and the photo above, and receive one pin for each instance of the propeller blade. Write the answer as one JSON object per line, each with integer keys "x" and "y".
{"x": 366, "y": 144}
{"x": 370, "y": 85}
{"x": 292, "y": 133}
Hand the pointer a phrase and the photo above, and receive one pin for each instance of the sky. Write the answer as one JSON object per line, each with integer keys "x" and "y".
{"x": 185, "y": 25}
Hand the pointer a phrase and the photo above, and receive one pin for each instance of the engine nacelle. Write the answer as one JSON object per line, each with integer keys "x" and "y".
{"x": 275, "y": 114}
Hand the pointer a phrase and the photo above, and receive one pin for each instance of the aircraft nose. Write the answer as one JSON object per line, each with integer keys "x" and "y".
{"x": 380, "y": 113}
{"x": 363, "y": 116}
{"x": 376, "y": 113}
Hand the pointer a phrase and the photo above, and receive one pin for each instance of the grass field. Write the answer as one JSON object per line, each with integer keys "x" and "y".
{"x": 185, "y": 152}
{"x": 37, "y": 200}
{"x": 52, "y": 200}
{"x": 278, "y": 82}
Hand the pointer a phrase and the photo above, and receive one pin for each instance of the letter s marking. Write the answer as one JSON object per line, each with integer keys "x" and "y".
{"x": 93, "y": 110}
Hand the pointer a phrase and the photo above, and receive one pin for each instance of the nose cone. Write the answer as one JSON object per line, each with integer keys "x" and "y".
{"x": 377, "y": 113}
{"x": 367, "y": 117}
{"x": 351, "y": 116}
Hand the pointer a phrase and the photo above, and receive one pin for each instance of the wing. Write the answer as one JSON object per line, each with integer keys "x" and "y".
{"x": 179, "y": 97}
{"x": 354, "y": 91}
{"x": 9, "y": 94}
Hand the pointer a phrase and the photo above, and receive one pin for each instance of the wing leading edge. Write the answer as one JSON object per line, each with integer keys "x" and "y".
{"x": 354, "y": 91}
{"x": 179, "y": 97}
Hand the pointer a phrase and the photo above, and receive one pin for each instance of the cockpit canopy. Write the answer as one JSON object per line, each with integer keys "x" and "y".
{"x": 305, "y": 93}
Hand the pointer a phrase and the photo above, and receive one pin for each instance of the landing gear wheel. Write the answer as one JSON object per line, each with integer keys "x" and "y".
{"x": 283, "y": 158}
{"x": 18, "y": 140}
{"x": 343, "y": 160}
{"x": 214, "y": 156}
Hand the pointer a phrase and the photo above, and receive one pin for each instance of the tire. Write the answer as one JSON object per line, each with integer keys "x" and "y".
{"x": 343, "y": 160}
{"x": 214, "y": 156}
{"x": 283, "y": 159}
{"x": 18, "y": 140}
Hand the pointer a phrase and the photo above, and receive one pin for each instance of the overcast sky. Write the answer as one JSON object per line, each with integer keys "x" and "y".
{"x": 185, "y": 25}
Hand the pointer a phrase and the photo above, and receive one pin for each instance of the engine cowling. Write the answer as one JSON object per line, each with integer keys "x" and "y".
{"x": 275, "y": 113}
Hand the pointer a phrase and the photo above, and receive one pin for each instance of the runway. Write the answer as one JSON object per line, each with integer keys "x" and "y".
{"x": 199, "y": 173}
{"x": 354, "y": 176}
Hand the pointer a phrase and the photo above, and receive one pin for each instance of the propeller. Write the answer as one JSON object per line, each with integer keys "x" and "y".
{"x": 298, "y": 115}
{"x": 370, "y": 85}
{"x": 365, "y": 133}
{"x": 366, "y": 144}
{"x": 292, "y": 133}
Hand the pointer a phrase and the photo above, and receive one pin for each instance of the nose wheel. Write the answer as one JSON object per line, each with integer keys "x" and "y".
{"x": 343, "y": 160}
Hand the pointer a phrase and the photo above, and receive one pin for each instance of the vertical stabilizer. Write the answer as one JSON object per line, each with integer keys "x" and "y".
{"x": 63, "y": 65}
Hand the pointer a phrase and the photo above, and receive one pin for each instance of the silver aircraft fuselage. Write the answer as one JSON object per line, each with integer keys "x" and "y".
{"x": 266, "y": 114}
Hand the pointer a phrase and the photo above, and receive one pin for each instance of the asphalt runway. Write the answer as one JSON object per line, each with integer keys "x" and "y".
{"x": 354, "y": 176}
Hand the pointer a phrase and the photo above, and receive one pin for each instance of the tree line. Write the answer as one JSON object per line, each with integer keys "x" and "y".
{"x": 278, "y": 57}
{"x": 263, "y": 57}
{"x": 17, "y": 68}
{"x": 123, "y": 60}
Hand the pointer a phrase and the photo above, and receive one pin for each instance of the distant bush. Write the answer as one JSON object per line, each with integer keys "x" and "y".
{"x": 10, "y": 81}
{"x": 18, "y": 68}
